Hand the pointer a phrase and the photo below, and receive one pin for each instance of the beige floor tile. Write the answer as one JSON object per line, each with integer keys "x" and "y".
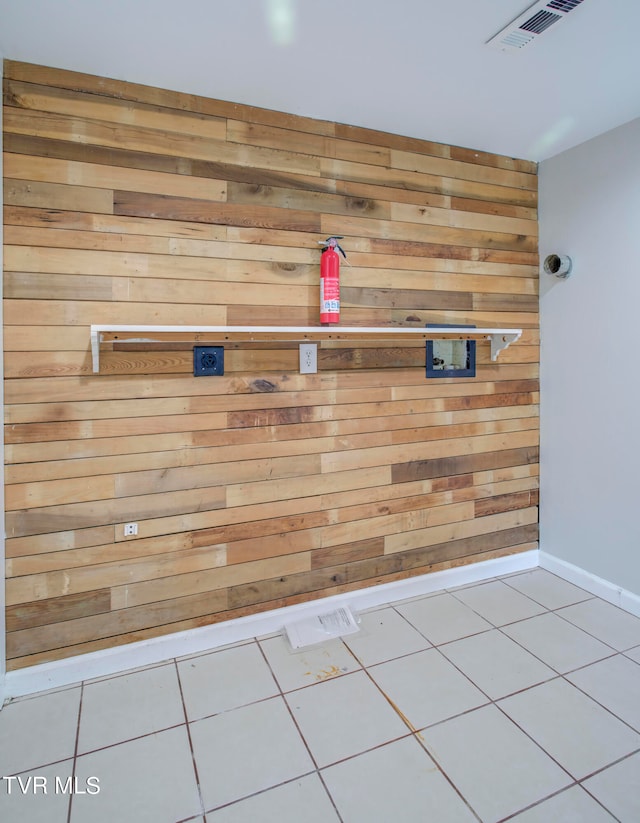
{"x": 496, "y": 664}
{"x": 498, "y": 603}
{"x": 426, "y": 688}
{"x": 304, "y": 799}
{"x": 443, "y": 618}
{"x": 577, "y": 732}
{"x": 495, "y": 766}
{"x": 398, "y": 781}
{"x": 384, "y": 634}
{"x": 546, "y": 588}
{"x": 37, "y": 801}
{"x": 570, "y": 806}
{"x": 617, "y": 789}
{"x": 615, "y": 683}
{"x": 634, "y": 654}
{"x": 224, "y": 647}
{"x": 608, "y": 623}
{"x": 129, "y": 706}
{"x": 38, "y": 730}
{"x": 247, "y": 750}
{"x": 343, "y": 717}
{"x": 296, "y": 669}
{"x": 224, "y": 680}
{"x": 556, "y": 642}
{"x": 148, "y": 780}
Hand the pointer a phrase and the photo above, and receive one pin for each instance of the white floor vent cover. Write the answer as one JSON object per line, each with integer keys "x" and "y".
{"x": 321, "y": 627}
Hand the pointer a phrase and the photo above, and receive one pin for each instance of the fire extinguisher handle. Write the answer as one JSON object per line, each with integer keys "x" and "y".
{"x": 332, "y": 243}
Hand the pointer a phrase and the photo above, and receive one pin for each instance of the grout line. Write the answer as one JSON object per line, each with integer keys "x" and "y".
{"x": 454, "y": 593}
{"x": 330, "y": 796}
{"x": 490, "y": 700}
{"x": 131, "y": 739}
{"x": 452, "y": 784}
{"x": 554, "y": 608}
{"x": 415, "y": 733}
{"x": 393, "y": 608}
{"x": 524, "y": 648}
{"x": 609, "y": 765}
{"x": 30, "y": 769}
{"x": 281, "y": 696}
{"x": 535, "y": 742}
{"x": 490, "y": 627}
{"x": 538, "y": 803}
{"x": 591, "y": 663}
{"x": 357, "y": 754}
{"x": 573, "y": 780}
{"x": 75, "y": 749}
{"x": 598, "y": 703}
{"x": 556, "y": 676}
{"x": 502, "y": 626}
{"x": 332, "y": 676}
{"x": 232, "y": 709}
{"x": 127, "y": 672}
{"x": 299, "y": 730}
{"x": 188, "y": 730}
{"x": 343, "y": 759}
{"x": 262, "y": 791}
{"x": 295, "y": 722}
{"x": 575, "y": 625}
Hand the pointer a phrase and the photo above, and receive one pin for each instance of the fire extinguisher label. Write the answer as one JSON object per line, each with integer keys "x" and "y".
{"x": 330, "y": 295}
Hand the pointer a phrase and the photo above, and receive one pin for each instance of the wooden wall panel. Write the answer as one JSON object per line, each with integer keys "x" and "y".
{"x": 264, "y": 487}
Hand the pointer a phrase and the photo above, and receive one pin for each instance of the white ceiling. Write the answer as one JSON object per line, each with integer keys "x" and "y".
{"x": 413, "y": 67}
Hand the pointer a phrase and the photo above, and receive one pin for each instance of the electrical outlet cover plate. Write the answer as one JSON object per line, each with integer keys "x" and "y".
{"x": 208, "y": 360}
{"x": 308, "y": 358}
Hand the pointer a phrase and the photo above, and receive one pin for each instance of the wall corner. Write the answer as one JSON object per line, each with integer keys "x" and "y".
{"x": 3, "y": 635}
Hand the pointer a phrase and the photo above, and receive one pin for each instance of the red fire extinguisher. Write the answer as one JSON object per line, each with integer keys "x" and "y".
{"x": 330, "y": 280}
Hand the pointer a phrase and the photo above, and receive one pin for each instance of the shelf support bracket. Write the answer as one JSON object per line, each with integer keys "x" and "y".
{"x": 502, "y": 341}
{"x": 95, "y": 349}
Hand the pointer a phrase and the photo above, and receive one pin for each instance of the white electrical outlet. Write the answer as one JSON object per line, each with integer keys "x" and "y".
{"x": 130, "y": 529}
{"x": 308, "y": 358}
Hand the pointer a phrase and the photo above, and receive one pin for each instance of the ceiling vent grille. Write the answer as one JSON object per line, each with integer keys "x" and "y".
{"x": 532, "y": 23}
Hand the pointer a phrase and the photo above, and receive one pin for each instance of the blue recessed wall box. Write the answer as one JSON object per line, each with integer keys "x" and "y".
{"x": 451, "y": 358}
{"x": 208, "y": 360}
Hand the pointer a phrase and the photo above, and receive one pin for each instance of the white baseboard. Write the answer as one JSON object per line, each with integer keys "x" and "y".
{"x": 133, "y": 655}
{"x": 616, "y": 595}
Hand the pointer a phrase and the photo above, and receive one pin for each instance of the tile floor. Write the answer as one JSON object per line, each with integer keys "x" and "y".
{"x": 513, "y": 699}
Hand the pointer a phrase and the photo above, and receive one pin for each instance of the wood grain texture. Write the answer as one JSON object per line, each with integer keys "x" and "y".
{"x": 261, "y": 488}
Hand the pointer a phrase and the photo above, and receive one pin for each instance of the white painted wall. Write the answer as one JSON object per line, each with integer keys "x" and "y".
{"x": 590, "y": 330}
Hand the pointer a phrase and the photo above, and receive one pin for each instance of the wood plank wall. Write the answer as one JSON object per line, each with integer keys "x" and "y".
{"x": 129, "y": 204}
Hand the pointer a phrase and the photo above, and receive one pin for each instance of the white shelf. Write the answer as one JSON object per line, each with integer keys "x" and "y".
{"x": 500, "y": 338}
